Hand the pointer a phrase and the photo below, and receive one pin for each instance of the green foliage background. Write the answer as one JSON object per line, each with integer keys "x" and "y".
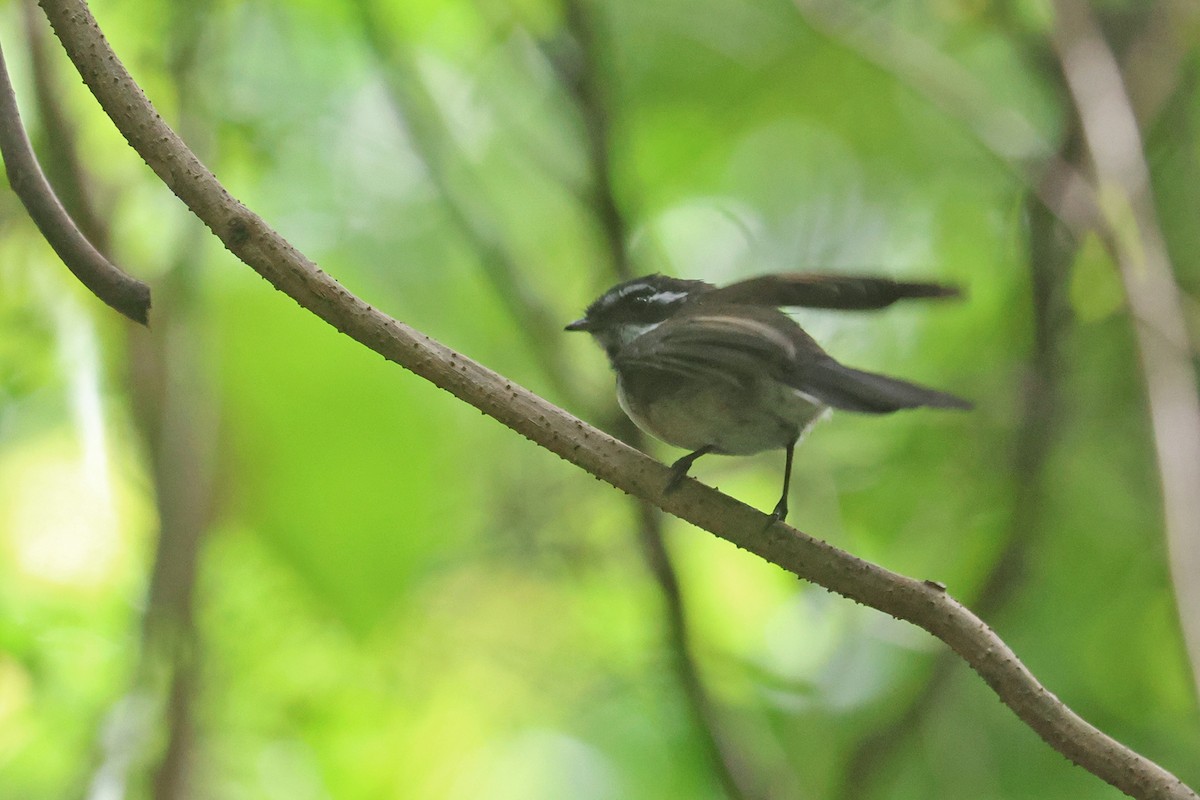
{"x": 396, "y": 597}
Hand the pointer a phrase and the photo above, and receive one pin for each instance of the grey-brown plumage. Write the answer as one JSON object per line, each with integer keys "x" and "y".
{"x": 723, "y": 370}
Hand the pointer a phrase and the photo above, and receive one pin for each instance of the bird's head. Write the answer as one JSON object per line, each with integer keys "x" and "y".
{"x": 631, "y": 309}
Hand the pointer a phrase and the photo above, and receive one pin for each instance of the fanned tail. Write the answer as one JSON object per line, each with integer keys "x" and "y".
{"x": 868, "y": 392}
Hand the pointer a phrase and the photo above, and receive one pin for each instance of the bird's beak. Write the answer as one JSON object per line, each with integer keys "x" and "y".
{"x": 582, "y": 324}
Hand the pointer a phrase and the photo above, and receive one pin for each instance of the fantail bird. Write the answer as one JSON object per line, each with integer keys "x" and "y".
{"x": 723, "y": 370}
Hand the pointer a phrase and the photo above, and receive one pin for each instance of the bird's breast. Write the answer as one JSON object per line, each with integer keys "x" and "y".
{"x": 734, "y": 420}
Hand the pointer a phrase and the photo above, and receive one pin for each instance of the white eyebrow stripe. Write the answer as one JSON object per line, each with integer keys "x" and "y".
{"x": 668, "y": 297}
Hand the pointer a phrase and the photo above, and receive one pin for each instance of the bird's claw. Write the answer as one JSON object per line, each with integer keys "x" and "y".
{"x": 677, "y": 476}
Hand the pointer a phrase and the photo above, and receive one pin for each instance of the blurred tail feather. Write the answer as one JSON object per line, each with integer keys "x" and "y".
{"x": 868, "y": 392}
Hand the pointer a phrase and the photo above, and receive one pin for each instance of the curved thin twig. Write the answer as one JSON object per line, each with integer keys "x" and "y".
{"x": 1114, "y": 144}
{"x": 64, "y": 168}
{"x": 105, "y": 280}
{"x": 263, "y": 249}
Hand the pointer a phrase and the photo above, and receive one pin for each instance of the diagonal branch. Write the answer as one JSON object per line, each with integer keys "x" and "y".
{"x": 264, "y": 250}
{"x": 104, "y": 279}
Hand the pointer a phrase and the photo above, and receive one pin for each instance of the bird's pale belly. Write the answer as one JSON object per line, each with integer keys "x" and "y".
{"x": 733, "y": 421}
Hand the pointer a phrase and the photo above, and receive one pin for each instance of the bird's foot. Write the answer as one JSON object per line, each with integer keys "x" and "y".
{"x": 679, "y": 469}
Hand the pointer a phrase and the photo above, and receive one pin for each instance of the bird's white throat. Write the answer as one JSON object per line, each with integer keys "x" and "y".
{"x": 620, "y": 336}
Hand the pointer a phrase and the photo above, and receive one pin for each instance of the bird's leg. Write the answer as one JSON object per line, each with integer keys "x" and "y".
{"x": 680, "y": 468}
{"x": 781, "y": 508}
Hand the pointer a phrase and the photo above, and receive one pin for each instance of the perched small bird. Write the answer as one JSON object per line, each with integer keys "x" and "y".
{"x": 723, "y": 370}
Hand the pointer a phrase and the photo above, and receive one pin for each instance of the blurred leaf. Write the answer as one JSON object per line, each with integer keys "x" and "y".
{"x": 347, "y": 464}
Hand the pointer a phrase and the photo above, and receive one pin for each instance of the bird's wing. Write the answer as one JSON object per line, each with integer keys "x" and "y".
{"x": 736, "y": 349}
{"x": 743, "y": 348}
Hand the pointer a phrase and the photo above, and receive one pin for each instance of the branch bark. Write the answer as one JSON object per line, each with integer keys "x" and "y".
{"x": 259, "y": 246}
